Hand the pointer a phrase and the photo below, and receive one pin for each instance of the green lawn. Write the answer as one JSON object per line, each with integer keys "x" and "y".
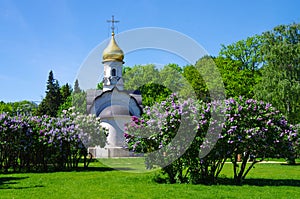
{"x": 133, "y": 181}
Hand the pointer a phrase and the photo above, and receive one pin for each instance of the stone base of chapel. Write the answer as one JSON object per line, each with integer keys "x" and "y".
{"x": 117, "y": 152}
{"x": 110, "y": 152}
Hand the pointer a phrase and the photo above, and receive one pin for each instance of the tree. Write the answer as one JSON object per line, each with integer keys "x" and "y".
{"x": 125, "y": 69}
{"x": 245, "y": 51}
{"x": 76, "y": 87}
{"x": 195, "y": 82}
{"x": 140, "y": 75}
{"x": 50, "y": 104}
{"x": 100, "y": 86}
{"x": 65, "y": 106}
{"x": 78, "y": 99}
{"x": 240, "y": 66}
{"x": 65, "y": 91}
{"x": 5, "y": 108}
{"x": 204, "y": 80}
{"x": 66, "y": 94}
{"x": 79, "y": 102}
{"x": 237, "y": 82}
{"x": 280, "y": 84}
{"x": 18, "y": 108}
{"x": 171, "y": 77}
{"x": 75, "y": 99}
{"x": 146, "y": 79}
{"x": 23, "y": 108}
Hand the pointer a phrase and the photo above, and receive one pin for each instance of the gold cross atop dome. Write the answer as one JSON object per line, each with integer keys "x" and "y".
{"x": 112, "y": 52}
{"x": 113, "y": 21}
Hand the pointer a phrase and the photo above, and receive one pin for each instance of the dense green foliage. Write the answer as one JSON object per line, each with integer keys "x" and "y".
{"x": 246, "y": 52}
{"x": 210, "y": 78}
{"x": 237, "y": 81}
{"x": 5, "y": 108}
{"x": 79, "y": 102}
{"x": 203, "y": 81}
{"x": 280, "y": 84}
{"x": 65, "y": 92}
{"x": 148, "y": 80}
{"x": 76, "y": 99}
{"x": 100, "y": 86}
{"x": 18, "y": 108}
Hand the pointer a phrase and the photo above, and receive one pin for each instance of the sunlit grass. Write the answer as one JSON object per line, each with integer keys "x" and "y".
{"x": 99, "y": 181}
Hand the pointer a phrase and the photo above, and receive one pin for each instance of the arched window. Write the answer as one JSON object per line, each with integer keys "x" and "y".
{"x": 113, "y": 72}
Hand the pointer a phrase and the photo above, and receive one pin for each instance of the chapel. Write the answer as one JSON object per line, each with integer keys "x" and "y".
{"x": 114, "y": 105}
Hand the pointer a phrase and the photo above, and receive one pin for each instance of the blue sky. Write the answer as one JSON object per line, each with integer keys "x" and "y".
{"x": 39, "y": 36}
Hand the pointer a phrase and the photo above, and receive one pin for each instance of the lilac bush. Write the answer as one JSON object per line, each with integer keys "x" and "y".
{"x": 170, "y": 133}
{"x": 13, "y": 139}
{"x": 255, "y": 129}
{"x": 35, "y": 143}
{"x": 88, "y": 127}
{"x": 213, "y": 133}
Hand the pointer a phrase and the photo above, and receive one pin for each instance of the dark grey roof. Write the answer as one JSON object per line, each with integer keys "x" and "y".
{"x": 138, "y": 98}
{"x": 114, "y": 110}
{"x": 93, "y": 94}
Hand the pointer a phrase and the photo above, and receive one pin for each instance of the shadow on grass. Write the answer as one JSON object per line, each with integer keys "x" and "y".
{"x": 262, "y": 182}
{"x": 124, "y": 169}
{"x": 103, "y": 169}
{"x": 52, "y": 170}
{"x": 100, "y": 169}
{"x": 230, "y": 181}
{"x": 10, "y": 182}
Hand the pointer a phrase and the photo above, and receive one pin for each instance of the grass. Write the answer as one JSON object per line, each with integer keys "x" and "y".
{"x": 129, "y": 179}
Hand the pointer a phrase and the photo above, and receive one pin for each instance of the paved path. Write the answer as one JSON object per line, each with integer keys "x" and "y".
{"x": 266, "y": 162}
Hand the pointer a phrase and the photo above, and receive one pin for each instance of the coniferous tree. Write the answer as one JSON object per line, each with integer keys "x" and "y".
{"x": 79, "y": 99}
{"x": 66, "y": 94}
{"x": 50, "y": 104}
{"x": 76, "y": 87}
{"x": 65, "y": 91}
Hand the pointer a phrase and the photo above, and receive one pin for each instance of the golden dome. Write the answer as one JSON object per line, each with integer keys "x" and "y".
{"x": 112, "y": 52}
